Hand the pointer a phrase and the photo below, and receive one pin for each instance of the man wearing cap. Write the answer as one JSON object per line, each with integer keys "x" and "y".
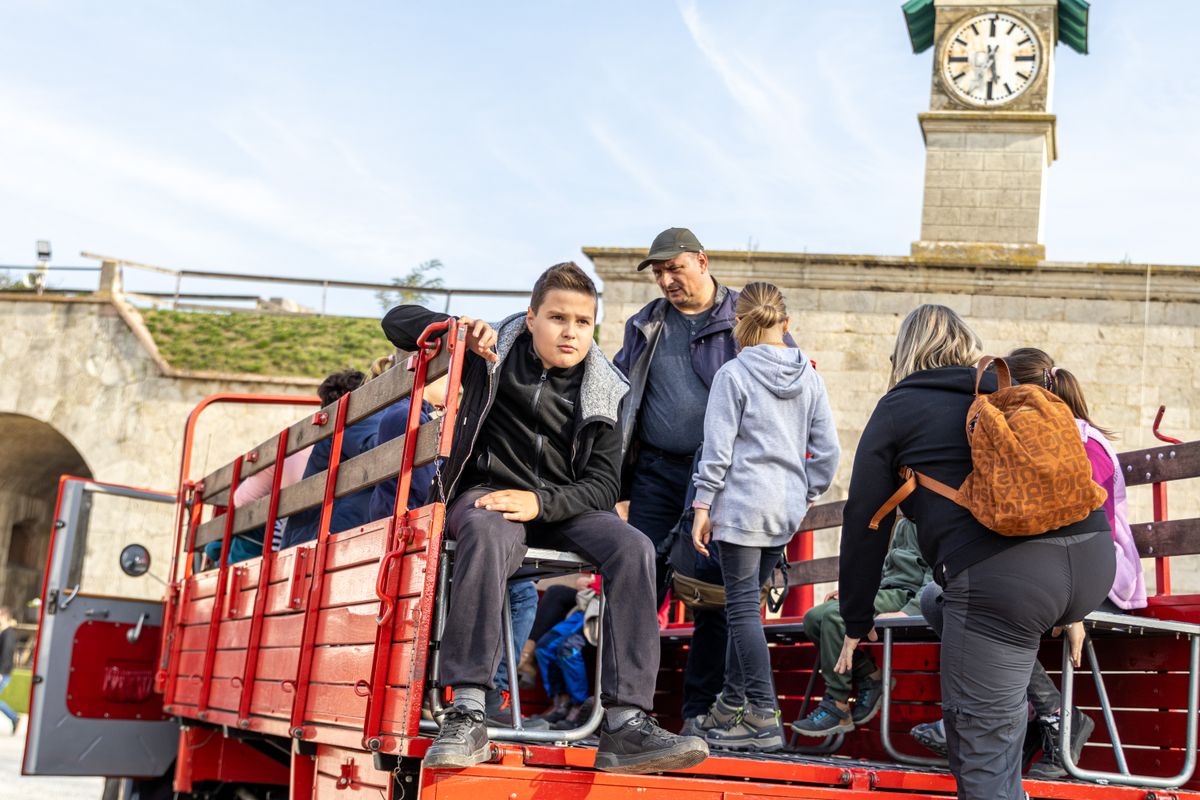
{"x": 671, "y": 350}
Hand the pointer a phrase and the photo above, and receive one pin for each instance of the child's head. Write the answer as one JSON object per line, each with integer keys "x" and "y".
{"x": 933, "y": 336}
{"x": 562, "y": 315}
{"x": 338, "y": 384}
{"x": 1031, "y": 365}
{"x": 761, "y": 315}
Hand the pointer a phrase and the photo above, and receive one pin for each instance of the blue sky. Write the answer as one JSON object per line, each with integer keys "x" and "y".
{"x": 355, "y": 140}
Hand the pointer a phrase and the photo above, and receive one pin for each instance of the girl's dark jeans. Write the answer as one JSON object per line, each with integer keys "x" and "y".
{"x": 747, "y": 660}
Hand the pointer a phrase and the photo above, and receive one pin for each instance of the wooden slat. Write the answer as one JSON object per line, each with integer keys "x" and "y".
{"x": 1176, "y": 537}
{"x": 1169, "y": 462}
{"x": 818, "y": 570}
{"x": 391, "y": 386}
{"x": 826, "y": 515}
{"x": 366, "y": 469}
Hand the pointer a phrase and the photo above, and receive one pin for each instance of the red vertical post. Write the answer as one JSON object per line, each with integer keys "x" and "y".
{"x": 312, "y": 609}
{"x": 1162, "y": 566}
{"x": 799, "y": 598}
{"x": 210, "y": 649}
{"x": 264, "y": 581}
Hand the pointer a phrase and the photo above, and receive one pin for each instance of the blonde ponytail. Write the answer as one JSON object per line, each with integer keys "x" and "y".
{"x": 759, "y": 308}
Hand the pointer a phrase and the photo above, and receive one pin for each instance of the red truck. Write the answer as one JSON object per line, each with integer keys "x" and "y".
{"x": 312, "y": 672}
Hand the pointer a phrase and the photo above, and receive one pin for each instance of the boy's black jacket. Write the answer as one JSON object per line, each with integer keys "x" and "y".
{"x": 596, "y": 444}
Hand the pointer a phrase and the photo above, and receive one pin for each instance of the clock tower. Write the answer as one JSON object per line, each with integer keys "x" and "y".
{"x": 989, "y": 132}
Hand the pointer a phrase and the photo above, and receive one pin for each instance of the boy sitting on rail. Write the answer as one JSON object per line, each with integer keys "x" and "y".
{"x": 536, "y": 460}
{"x": 904, "y": 573}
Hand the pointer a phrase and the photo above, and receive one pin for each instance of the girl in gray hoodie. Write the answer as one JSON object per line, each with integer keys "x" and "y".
{"x": 770, "y": 448}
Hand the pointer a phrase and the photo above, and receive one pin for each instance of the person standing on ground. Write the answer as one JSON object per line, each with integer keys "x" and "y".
{"x": 8, "y": 649}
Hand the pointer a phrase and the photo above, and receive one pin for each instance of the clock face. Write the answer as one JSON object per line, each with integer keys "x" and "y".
{"x": 991, "y": 59}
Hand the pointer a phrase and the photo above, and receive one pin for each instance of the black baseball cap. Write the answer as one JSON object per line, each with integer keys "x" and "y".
{"x": 671, "y": 243}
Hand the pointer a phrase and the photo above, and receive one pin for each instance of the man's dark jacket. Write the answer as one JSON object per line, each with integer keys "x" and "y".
{"x": 596, "y": 443}
{"x": 711, "y": 346}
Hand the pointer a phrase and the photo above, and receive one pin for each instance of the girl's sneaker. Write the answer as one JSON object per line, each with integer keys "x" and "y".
{"x": 931, "y": 735}
{"x": 825, "y": 720}
{"x": 754, "y": 729}
{"x": 869, "y": 701}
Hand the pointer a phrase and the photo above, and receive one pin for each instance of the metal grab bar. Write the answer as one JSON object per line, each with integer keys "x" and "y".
{"x": 539, "y": 562}
{"x": 885, "y": 714}
{"x": 1124, "y": 777}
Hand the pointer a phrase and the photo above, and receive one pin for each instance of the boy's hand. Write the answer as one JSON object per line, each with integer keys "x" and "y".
{"x": 622, "y": 509}
{"x": 516, "y": 505}
{"x": 890, "y": 615}
{"x": 481, "y": 338}
{"x": 846, "y": 658}
{"x": 701, "y": 531}
{"x": 831, "y": 596}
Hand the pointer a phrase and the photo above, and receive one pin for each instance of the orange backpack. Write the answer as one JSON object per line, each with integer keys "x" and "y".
{"x": 1031, "y": 473}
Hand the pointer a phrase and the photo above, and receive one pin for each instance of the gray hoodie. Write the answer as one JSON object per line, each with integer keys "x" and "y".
{"x": 767, "y": 409}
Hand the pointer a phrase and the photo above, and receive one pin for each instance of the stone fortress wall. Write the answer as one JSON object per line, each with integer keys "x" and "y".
{"x": 87, "y": 393}
{"x": 1128, "y": 331}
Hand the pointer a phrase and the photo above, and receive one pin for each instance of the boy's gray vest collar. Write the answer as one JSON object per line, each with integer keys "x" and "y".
{"x": 603, "y": 385}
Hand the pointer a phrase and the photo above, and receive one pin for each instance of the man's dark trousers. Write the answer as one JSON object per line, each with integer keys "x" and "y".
{"x": 657, "y": 495}
{"x": 490, "y": 549}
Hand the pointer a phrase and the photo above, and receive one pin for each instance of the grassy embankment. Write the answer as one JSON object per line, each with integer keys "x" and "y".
{"x": 261, "y": 344}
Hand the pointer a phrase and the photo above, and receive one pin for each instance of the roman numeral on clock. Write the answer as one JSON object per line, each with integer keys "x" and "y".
{"x": 1024, "y": 58}
{"x": 1023, "y": 76}
{"x": 1026, "y": 40}
{"x": 1007, "y": 88}
{"x": 957, "y": 59}
{"x": 956, "y": 77}
{"x": 989, "y": 90}
{"x": 960, "y": 41}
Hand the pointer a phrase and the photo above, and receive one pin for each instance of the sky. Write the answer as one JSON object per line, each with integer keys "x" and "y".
{"x": 356, "y": 140}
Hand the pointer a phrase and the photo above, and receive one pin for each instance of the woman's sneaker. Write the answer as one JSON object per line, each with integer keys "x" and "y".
{"x": 931, "y": 736}
{"x": 869, "y": 701}
{"x": 639, "y": 745}
{"x": 1050, "y": 764}
{"x": 754, "y": 729}
{"x": 825, "y": 720}
{"x": 462, "y": 741}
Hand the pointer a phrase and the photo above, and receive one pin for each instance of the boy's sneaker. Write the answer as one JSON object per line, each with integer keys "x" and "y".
{"x": 1050, "y": 765}
{"x": 754, "y": 729}
{"x": 825, "y": 720}
{"x": 462, "y": 741}
{"x": 931, "y": 736}
{"x": 869, "y": 701}
{"x": 640, "y": 745}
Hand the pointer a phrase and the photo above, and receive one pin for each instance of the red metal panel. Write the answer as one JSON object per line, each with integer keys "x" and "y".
{"x": 205, "y": 755}
{"x": 210, "y": 649}
{"x": 112, "y": 678}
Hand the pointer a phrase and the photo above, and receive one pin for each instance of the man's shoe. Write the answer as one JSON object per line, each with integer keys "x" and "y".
{"x": 869, "y": 701}
{"x": 1050, "y": 765}
{"x": 693, "y": 726}
{"x": 640, "y": 746}
{"x": 462, "y": 741}
{"x": 825, "y": 720}
{"x": 754, "y": 729}
{"x": 931, "y": 736}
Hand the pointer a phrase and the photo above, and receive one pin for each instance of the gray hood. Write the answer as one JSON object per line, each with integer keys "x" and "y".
{"x": 779, "y": 369}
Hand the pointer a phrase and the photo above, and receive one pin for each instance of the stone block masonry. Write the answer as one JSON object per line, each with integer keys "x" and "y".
{"x": 846, "y": 311}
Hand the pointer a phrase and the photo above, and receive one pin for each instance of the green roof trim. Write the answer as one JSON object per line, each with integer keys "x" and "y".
{"x": 919, "y": 15}
{"x": 1072, "y": 24}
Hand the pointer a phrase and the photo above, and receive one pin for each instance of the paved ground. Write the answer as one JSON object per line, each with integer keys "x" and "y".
{"x": 15, "y": 787}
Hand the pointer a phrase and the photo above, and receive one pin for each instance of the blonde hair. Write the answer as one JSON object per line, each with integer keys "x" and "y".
{"x": 759, "y": 308}
{"x": 380, "y": 366}
{"x": 933, "y": 336}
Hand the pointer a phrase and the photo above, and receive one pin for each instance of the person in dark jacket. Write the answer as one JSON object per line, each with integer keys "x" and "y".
{"x": 536, "y": 461}
{"x": 671, "y": 351}
{"x": 8, "y": 648}
{"x": 1000, "y": 594}
{"x": 353, "y": 509}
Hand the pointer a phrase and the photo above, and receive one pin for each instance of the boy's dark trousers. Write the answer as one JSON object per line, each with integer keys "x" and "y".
{"x": 657, "y": 495}
{"x": 490, "y": 549}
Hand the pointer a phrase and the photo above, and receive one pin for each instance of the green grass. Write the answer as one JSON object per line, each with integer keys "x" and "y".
{"x": 265, "y": 344}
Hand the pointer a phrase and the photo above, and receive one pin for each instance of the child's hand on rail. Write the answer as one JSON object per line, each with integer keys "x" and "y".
{"x": 516, "y": 505}
{"x": 481, "y": 338}
{"x": 1075, "y": 637}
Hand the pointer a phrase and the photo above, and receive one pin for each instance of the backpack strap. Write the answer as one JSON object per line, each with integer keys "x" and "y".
{"x": 911, "y": 479}
{"x": 1003, "y": 376}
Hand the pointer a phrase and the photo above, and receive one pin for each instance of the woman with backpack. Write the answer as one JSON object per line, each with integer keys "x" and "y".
{"x": 1001, "y": 592}
{"x": 770, "y": 448}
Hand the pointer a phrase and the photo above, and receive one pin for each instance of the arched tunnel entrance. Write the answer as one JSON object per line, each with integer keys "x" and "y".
{"x": 32, "y": 457}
